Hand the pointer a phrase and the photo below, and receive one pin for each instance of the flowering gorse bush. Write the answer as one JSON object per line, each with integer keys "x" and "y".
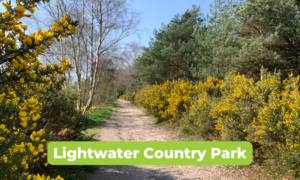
{"x": 30, "y": 98}
{"x": 128, "y": 96}
{"x": 198, "y": 119}
{"x": 170, "y": 100}
{"x": 266, "y": 113}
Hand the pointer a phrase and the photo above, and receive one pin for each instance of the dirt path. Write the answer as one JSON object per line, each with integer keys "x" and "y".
{"x": 131, "y": 124}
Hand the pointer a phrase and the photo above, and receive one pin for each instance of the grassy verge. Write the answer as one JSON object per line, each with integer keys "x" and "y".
{"x": 96, "y": 118}
{"x": 82, "y": 172}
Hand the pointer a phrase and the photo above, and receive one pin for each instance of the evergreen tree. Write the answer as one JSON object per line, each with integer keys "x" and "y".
{"x": 242, "y": 35}
{"x": 264, "y": 31}
{"x": 284, "y": 38}
{"x": 217, "y": 44}
{"x": 170, "y": 54}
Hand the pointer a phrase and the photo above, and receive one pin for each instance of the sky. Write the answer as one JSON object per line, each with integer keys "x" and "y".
{"x": 156, "y": 12}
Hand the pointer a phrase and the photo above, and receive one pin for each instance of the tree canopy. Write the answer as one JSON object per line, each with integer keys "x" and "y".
{"x": 244, "y": 36}
{"x": 170, "y": 54}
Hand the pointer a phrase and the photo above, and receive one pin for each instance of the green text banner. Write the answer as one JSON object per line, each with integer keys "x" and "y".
{"x": 150, "y": 153}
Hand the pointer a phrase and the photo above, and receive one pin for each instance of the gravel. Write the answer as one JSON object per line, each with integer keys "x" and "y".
{"x": 129, "y": 123}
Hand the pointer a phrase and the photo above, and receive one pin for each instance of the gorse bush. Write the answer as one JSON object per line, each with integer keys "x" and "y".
{"x": 33, "y": 109}
{"x": 170, "y": 100}
{"x": 235, "y": 109}
{"x": 198, "y": 120}
{"x": 59, "y": 116}
{"x": 127, "y": 97}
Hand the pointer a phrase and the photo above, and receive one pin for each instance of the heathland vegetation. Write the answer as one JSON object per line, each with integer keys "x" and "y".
{"x": 40, "y": 101}
{"x": 229, "y": 76}
{"x": 232, "y": 75}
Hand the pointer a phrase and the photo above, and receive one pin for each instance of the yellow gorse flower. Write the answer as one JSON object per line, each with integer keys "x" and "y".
{"x": 233, "y": 109}
{"x": 28, "y": 81}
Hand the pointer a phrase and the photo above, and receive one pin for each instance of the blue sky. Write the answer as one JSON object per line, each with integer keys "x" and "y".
{"x": 156, "y": 12}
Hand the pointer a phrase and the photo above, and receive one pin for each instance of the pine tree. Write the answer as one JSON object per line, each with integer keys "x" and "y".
{"x": 284, "y": 37}
{"x": 257, "y": 30}
{"x": 170, "y": 54}
{"x": 217, "y": 44}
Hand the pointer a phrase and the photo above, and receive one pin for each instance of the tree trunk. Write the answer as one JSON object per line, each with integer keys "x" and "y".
{"x": 91, "y": 59}
{"x": 95, "y": 69}
{"x": 262, "y": 61}
{"x": 187, "y": 69}
{"x": 176, "y": 73}
{"x": 261, "y": 70}
{"x": 78, "y": 60}
{"x": 79, "y": 101}
{"x": 91, "y": 48}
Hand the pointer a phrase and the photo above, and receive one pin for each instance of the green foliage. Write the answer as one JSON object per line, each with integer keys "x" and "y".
{"x": 60, "y": 116}
{"x": 96, "y": 118}
{"x": 216, "y": 43}
{"x": 121, "y": 90}
{"x": 105, "y": 90}
{"x": 241, "y": 35}
{"x": 170, "y": 54}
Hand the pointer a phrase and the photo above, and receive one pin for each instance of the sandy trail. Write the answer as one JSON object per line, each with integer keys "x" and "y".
{"x": 131, "y": 124}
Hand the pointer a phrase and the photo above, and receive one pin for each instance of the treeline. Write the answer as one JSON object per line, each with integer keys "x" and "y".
{"x": 244, "y": 35}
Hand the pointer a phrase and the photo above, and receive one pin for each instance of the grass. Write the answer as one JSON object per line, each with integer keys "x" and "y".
{"x": 81, "y": 172}
{"x": 96, "y": 118}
